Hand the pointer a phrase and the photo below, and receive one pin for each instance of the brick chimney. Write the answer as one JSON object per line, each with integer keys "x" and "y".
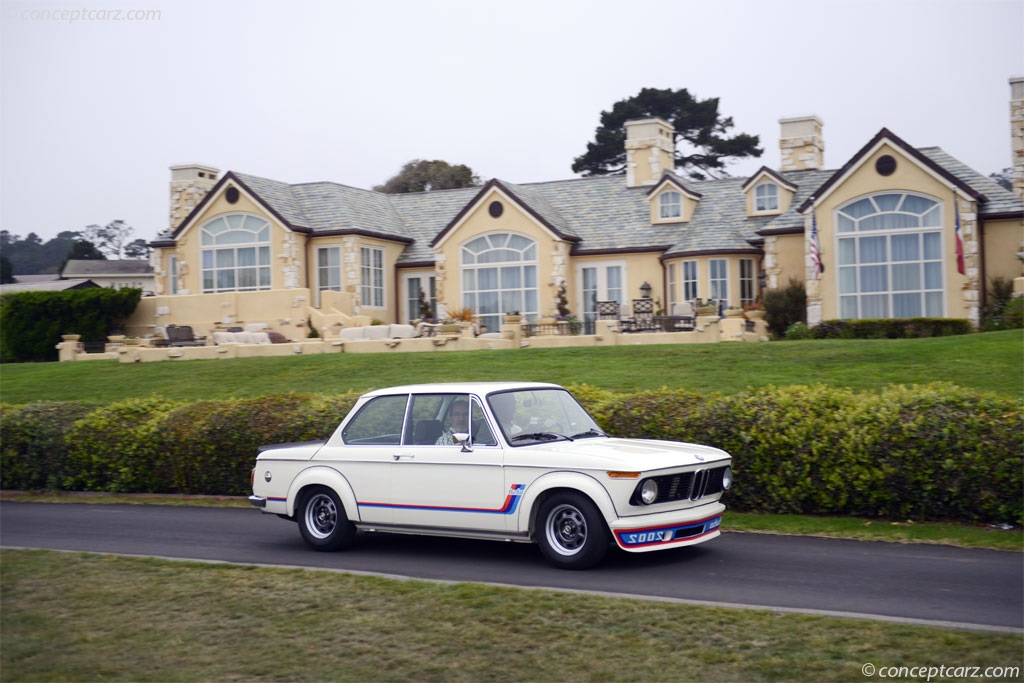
{"x": 650, "y": 151}
{"x": 1017, "y": 133}
{"x": 801, "y": 144}
{"x": 189, "y": 184}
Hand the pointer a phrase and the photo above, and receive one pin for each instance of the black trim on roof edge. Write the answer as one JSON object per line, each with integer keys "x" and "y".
{"x": 902, "y": 145}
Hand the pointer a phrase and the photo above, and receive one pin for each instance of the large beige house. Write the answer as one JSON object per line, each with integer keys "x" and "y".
{"x": 895, "y": 231}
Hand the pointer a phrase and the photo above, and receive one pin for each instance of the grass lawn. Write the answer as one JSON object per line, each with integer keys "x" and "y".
{"x": 992, "y": 361}
{"x": 118, "y": 618}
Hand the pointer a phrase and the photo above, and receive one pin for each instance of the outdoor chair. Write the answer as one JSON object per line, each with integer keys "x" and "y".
{"x": 643, "y": 315}
{"x": 684, "y": 316}
{"x": 182, "y": 335}
{"x": 607, "y": 310}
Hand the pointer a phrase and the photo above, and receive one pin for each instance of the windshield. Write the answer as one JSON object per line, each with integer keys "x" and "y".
{"x": 530, "y": 416}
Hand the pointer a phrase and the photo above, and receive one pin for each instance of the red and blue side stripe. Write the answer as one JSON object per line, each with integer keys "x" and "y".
{"x": 509, "y": 507}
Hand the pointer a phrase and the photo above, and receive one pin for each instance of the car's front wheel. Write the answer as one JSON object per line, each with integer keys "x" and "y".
{"x": 571, "y": 532}
{"x": 322, "y": 520}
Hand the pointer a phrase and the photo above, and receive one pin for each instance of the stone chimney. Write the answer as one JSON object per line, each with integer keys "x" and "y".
{"x": 801, "y": 144}
{"x": 1017, "y": 133}
{"x": 650, "y": 151}
{"x": 189, "y": 184}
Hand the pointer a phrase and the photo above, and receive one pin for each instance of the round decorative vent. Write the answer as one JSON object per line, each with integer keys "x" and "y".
{"x": 495, "y": 209}
{"x": 231, "y": 194}
{"x": 885, "y": 165}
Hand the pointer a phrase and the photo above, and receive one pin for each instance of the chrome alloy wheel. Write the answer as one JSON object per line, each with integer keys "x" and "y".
{"x": 321, "y": 516}
{"x": 566, "y": 529}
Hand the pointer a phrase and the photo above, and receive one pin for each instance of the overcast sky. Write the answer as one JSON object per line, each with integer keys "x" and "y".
{"x": 95, "y": 108}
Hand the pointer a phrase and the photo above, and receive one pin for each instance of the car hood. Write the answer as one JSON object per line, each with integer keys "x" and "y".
{"x": 624, "y": 454}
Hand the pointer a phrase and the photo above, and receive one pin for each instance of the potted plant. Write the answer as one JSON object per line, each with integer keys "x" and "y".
{"x": 754, "y": 311}
{"x": 513, "y": 318}
{"x": 706, "y": 306}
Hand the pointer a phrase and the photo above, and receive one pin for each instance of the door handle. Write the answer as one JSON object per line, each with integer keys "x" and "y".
{"x": 403, "y": 456}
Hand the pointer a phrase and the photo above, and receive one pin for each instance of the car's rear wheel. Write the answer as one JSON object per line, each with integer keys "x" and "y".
{"x": 322, "y": 520}
{"x": 571, "y": 532}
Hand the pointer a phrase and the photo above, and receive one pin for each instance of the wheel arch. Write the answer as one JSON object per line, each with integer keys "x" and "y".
{"x": 552, "y": 484}
{"x": 323, "y": 476}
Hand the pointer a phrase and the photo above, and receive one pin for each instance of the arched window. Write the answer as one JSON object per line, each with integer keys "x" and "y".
{"x": 889, "y": 257}
{"x": 499, "y": 275}
{"x": 235, "y": 254}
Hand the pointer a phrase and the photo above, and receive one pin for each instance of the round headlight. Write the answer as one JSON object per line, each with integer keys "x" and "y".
{"x": 726, "y": 478}
{"x": 649, "y": 491}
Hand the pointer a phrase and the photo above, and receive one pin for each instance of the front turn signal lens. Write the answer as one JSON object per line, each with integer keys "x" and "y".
{"x": 623, "y": 475}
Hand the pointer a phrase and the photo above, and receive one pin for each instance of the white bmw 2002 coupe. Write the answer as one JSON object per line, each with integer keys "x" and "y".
{"x": 508, "y": 461}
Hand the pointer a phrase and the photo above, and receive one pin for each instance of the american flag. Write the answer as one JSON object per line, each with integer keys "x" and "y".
{"x": 815, "y": 247}
{"x": 959, "y": 238}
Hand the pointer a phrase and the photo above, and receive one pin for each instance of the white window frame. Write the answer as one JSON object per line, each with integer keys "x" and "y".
{"x": 766, "y": 196}
{"x": 857, "y": 233}
{"x": 748, "y": 286}
{"x": 411, "y": 303}
{"x": 691, "y": 290}
{"x": 609, "y": 285}
{"x": 371, "y": 277}
{"x": 222, "y": 245}
{"x": 328, "y": 271}
{"x": 500, "y": 273}
{"x": 718, "y": 278}
{"x": 670, "y": 204}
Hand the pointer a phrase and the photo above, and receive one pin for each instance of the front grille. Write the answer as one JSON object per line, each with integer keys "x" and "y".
{"x": 685, "y": 485}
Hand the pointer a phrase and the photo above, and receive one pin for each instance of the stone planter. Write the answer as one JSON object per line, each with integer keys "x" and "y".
{"x": 755, "y": 315}
{"x": 707, "y": 310}
{"x": 449, "y": 328}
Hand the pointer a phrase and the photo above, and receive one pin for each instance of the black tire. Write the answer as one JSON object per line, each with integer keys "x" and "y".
{"x": 571, "y": 532}
{"x": 322, "y": 520}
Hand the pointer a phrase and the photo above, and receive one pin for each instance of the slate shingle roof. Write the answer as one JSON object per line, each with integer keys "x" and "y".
{"x": 84, "y": 268}
{"x": 600, "y": 214}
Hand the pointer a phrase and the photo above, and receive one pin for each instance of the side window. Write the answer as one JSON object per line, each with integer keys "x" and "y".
{"x": 378, "y": 423}
{"x": 482, "y": 434}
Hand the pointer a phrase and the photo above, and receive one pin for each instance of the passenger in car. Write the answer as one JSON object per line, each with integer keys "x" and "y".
{"x": 458, "y": 422}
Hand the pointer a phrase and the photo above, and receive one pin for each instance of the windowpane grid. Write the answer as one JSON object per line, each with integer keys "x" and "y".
{"x": 889, "y": 264}
{"x": 234, "y": 258}
{"x": 499, "y": 275}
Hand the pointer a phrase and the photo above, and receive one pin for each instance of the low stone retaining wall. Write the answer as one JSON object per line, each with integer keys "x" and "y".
{"x": 709, "y": 330}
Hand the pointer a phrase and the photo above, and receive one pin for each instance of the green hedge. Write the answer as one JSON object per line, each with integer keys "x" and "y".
{"x": 934, "y": 452}
{"x": 33, "y": 322}
{"x": 883, "y": 328}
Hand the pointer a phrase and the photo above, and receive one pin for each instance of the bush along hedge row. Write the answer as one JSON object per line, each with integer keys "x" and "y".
{"x": 934, "y": 452}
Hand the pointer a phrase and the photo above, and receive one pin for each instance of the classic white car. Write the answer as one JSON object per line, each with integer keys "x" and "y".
{"x": 505, "y": 461}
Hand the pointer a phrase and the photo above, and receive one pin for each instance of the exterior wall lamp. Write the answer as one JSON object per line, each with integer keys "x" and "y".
{"x": 645, "y": 290}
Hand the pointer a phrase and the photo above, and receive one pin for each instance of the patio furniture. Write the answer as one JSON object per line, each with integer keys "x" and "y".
{"x": 182, "y": 335}
{"x": 643, "y": 315}
{"x": 685, "y": 316}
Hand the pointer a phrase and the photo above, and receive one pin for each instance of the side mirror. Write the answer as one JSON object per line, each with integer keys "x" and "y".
{"x": 462, "y": 439}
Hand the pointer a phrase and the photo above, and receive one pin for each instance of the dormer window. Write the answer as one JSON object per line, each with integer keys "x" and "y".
{"x": 670, "y": 205}
{"x": 766, "y": 197}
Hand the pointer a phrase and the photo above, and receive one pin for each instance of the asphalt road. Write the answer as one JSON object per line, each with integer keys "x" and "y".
{"x": 943, "y": 585}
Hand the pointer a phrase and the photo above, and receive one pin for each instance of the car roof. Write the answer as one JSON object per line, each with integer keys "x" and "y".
{"x": 480, "y": 388}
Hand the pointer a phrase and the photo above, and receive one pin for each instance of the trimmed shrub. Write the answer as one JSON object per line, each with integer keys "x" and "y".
{"x": 785, "y": 307}
{"x": 211, "y": 446}
{"x": 117, "y": 448}
{"x": 934, "y": 452}
{"x": 33, "y": 322}
{"x": 33, "y": 444}
{"x": 891, "y": 328}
